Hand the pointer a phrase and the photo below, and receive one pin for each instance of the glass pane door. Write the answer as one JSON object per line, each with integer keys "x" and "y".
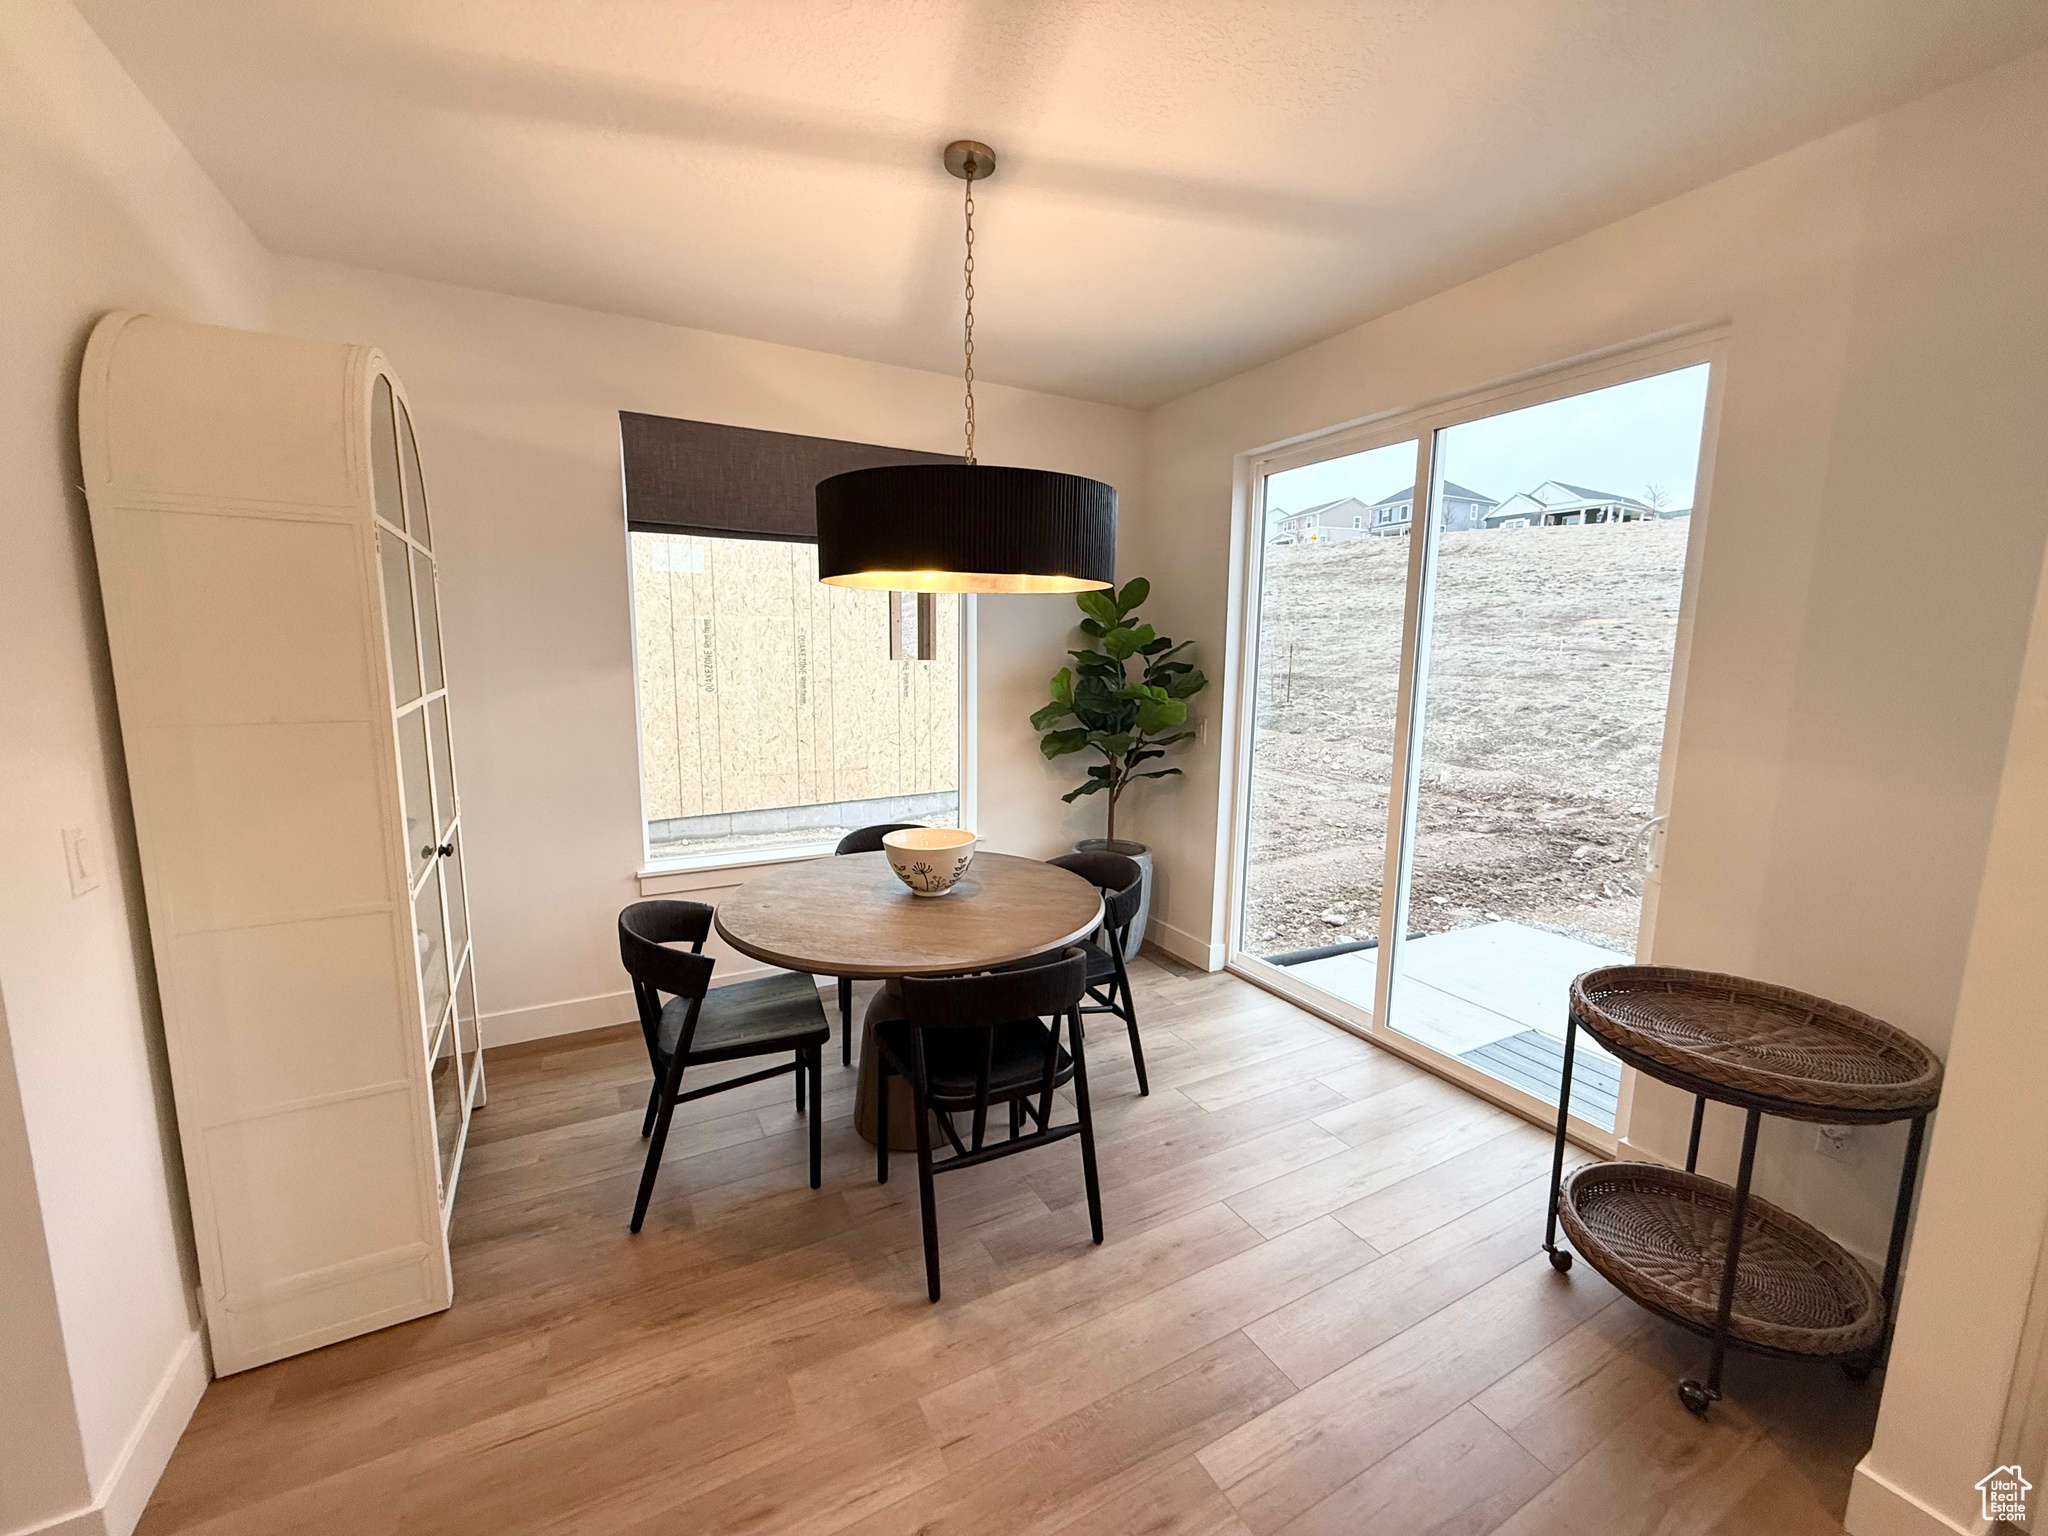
{"x": 444, "y": 1073}
{"x": 415, "y": 493}
{"x": 1333, "y": 581}
{"x": 392, "y": 557}
{"x": 468, "y": 1035}
{"x": 1445, "y": 823}
{"x": 384, "y": 496}
{"x": 1544, "y": 677}
{"x": 431, "y": 943}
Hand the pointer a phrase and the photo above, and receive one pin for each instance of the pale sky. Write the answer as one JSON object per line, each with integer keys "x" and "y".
{"x": 1619, "y": 439}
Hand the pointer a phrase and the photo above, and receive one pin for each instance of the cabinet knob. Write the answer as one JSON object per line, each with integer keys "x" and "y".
{"x": 446, "y": 850}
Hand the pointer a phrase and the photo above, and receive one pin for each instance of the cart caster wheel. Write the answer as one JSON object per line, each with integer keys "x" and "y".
{"x": 1857, "y": 1372}
{"x": 1561, "y": 1260}
{"x": 1695, "y": 1397}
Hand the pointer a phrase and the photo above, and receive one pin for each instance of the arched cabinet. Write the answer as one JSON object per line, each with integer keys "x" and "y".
{"x": 267, "y": 561}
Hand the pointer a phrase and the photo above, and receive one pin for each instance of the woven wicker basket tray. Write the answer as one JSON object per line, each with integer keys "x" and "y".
{"x": 1660, "y": 1237}
{"x": 1810, "y": 1057}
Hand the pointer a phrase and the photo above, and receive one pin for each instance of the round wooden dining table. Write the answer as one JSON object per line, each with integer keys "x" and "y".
{"x": 851, "y": 916}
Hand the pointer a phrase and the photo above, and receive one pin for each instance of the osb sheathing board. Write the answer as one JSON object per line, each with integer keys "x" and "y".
{"x": 760, "y": 688}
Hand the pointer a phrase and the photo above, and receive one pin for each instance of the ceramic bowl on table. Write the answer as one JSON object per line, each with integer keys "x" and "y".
{"x": 930, "y": 860}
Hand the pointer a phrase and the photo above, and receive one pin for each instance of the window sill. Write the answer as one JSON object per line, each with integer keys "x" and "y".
{"x": 718, "y": 871}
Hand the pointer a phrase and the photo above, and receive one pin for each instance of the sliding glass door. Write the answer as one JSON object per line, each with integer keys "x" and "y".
{"x": 1452, "y": 782}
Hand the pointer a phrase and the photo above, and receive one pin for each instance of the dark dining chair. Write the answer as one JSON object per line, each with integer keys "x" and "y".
{"x": 860, "y": 840}
{"x": 1122, "y": 883}
{"x": 966, "y": 1043}
{"x": 698, "y": 1026}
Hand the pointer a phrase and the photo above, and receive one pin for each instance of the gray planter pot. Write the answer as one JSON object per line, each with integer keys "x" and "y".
{"x": 1143, "y": 855}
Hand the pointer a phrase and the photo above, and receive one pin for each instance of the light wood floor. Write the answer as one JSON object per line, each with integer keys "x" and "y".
{"x": 1321, "y": 1308}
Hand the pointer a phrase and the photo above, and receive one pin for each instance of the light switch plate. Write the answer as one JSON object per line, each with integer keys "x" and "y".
{"x": 81, "y": 861}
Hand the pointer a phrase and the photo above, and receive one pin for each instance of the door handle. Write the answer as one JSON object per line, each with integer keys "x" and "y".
{"x": 1652, "y": 845}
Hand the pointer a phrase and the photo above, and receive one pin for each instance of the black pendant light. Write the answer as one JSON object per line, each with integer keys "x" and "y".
{"x": 966, "y": 527}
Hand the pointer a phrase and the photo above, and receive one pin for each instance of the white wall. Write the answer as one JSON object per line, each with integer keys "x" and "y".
{"x": 103, "y": 208}
{"x": 517, "y": 405}
{"x": 1878, "y": 519}
{"x": 1977, "y": 1248}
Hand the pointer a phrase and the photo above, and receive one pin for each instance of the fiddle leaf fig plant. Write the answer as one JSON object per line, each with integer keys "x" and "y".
{"x": 1130, "y": 721}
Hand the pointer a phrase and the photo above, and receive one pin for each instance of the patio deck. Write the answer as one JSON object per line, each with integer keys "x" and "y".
{"x": 1493, "y": 996}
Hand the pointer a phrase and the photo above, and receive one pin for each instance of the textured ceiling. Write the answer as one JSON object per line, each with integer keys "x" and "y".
{"x": 1187, "y": 187}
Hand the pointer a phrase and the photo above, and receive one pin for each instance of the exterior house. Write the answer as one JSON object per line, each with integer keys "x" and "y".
{"x": 1327, "y": 522}
{"x": 1464, "y": 508}
{"x": 1555, "y": 504}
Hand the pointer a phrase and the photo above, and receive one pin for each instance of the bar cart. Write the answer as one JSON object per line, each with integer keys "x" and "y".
{"x": 1719, "y": 1261}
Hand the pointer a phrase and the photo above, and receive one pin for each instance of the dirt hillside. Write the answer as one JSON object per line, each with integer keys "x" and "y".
{"x": 1550, "y": 665}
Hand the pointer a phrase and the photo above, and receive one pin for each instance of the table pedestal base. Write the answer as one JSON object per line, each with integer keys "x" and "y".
{"x": 886, "y": 1004}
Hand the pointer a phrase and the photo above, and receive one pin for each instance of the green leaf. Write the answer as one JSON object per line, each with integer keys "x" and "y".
{"x": 1063, "y": 686}
{"x": 1060, "y": 743}
{"x": 1124, "y": 642}
{"x": 1157, "y": 646}
{"x": 1135, "y": 591}
{"x": 1187, "y": 686}
{"x": 1167, "y": 741}
{"x": 1157, "y": 715}
{"x": 1147, "y": 754}
{"x": 1113, "y": 744}
{"x": 1086, "y": 789}
{"x": 1046, "y": 718}
{"x": 1157, "y": 773}
{"x": 1099, "y": 606}
{"x": 1091, "y": 627}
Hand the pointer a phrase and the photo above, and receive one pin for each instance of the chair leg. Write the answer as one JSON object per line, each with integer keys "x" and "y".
{"x": 1120, "y": 991}
{"x": 846, "y": 1021}
{"x": 667, "y": 1091}
{"x": 1016, "y": 1118}
{"x": 799, "y": 1075}
{"x": 817, "y": 1069}
{"x": 881, "y": 1117}
{"x": 653, "y": 1108}
{"x": 1088, "y": 1178}
{"x": 925, "y": 1195}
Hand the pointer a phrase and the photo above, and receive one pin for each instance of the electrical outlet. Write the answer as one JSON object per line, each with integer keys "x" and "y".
{"x": 1833, "y": 1140}
{"x": 1202, "y": 731}
{"x": 81, "y": 861}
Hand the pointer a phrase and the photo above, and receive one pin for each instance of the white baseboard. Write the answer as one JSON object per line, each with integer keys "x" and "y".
{"x": 137, "y": 1470}
{"x": 574, "y": 1015}
{"x": 1184, "y": 946}
{"x": 1880, "y": 1507}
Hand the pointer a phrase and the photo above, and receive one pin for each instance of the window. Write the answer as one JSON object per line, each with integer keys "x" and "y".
{"x": 771, "y": 716}
{"x": 1358, "y": 522}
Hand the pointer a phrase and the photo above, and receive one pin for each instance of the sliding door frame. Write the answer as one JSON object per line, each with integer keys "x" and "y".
{"x": 1665, "y": 354}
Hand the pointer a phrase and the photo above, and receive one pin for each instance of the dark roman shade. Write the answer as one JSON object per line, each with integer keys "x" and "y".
{"x": 698, "y": 477}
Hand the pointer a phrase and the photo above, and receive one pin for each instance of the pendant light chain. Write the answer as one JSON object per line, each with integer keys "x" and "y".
{"x": 969, "y": 274}
{"x": 964, "y": 526}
